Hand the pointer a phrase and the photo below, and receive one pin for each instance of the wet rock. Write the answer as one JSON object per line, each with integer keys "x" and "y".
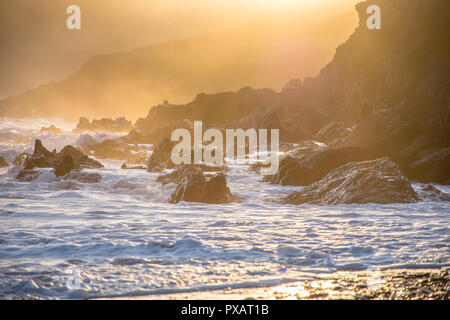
{"x": 41, "y": 157}
{"x": 64, "y": 165}
{"x": 160, "y": 158}
{"x": 63, "y": 162}
{"x": 198, "y": 188}
{"x": 307, "y": 165}
{"x": 430, "y": 193}
{"x": 3, "y": 162}
{"x": 81, "y": 160}
{"x": 432, "y": 166}
{"x": 377, "y": 181}
{"x": 21, "y": 159}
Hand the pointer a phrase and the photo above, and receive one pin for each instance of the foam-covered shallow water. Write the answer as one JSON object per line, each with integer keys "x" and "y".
{"x": 125, "y": 239}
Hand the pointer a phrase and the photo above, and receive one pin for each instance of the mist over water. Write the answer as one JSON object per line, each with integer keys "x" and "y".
{"x": 125, "y": 238}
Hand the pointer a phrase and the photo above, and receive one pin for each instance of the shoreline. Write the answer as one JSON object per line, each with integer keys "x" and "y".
{"x": 392, "y": 284}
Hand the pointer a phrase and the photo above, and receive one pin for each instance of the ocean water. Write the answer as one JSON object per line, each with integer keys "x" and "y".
{"x": 120, "y": 237}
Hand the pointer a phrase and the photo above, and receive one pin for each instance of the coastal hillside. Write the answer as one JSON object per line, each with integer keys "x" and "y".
{"x": 385, "y": 90}
{"x": 128, "y": 83}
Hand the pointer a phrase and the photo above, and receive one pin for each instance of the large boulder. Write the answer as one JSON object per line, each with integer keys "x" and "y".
{"x": 377, "y": 181}
{"x": 3, "y": 162}
{"x": 64, "y": 165}
{"x": 198, "y": 188}
{"x": 312, "y": 164}
{"x": 81, "y": 160}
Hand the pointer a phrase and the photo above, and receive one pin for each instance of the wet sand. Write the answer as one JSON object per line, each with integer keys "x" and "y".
{"x": 404, "y": 284}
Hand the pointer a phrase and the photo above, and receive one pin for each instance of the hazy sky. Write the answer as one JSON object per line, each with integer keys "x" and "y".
{"x": 36, "y": 47}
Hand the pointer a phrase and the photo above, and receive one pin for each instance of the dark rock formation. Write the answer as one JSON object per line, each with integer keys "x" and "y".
{"x": 378, "y": 181}
{"x": 3, "y": 162}
{"x": 64, "y": 165}
{"x": 68, "y": 159}
{"x": 312, "y": 164}
{"x": 104, "y": 125}
{"x": 41, "y": 157}
{"x": 197, "y": 188}
{"x": 160, "y": 158}
{"x": 81, "y": 160}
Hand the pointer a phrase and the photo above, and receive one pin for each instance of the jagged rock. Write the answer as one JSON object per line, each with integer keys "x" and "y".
{"x": 85, "y": 177}
{"x": 377, "y": 181}
{"x": 81, "y": 160}
{"x": 312, "y": 164}
{"x": 3, "y": 162}
{"x": 64, "y": 165}
{"x": 430, "y": 193}
{"x": 160, "y": 158}
{"x": 197, "y": 188}
{"x": 21, "y": 159}
{"x": 433, "y": 166}
{"x": 41, "y": 157}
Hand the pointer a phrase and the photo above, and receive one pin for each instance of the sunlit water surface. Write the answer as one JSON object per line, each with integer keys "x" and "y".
{"x": 123, "y": 238}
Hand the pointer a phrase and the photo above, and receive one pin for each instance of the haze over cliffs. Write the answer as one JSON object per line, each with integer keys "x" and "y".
{"x": 129, "y": 83}
{"x": 385, "y": 90}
